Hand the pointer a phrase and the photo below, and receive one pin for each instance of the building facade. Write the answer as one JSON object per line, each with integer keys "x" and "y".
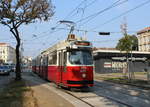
{"x": 112, "y": 61}
{"x": 7, "y": 53}
{"x": 144, "y": 40}
{"x": 27, "y": 63}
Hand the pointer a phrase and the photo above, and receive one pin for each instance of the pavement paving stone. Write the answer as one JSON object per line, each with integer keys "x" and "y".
{"x": 49, "y": 96}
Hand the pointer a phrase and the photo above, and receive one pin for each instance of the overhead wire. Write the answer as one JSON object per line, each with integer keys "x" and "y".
{"x": 44, "y": 42}
{"x": 47, "y": 43}
{"x": 70, "y": 13}
{"x": 36, "y": 37}
{"x": 75, "y": 8}
{"x": 96, "y": 13}
{"x": 48, "y": 35}
{"x": 83, "y": 9}
{"x": 121, "y": 14}
{"x": 126, "y": 12}
{"x": 43, "y": 34}
{"x": 94, "y": 31}
{"x": 73, "y": 12}
{"x": 81, "y": 3}
{"x": 90, "y": 17}
{"x": 85, "y": 0}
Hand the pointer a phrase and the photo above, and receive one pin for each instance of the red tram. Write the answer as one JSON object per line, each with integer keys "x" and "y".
{"x": 68, "y": 63}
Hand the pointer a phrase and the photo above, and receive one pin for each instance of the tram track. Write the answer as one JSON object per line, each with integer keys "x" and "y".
{"x": 139, "y": 102}
{"x": 123, "y": 103}
{"x": 79, "y": 98}
{"x": 96, "y": 96}
{"x": 118, "y": 101}
{"x": 86, "y": 97}
{"x": 122, "y": 92}
{"x": 112, "y": 99}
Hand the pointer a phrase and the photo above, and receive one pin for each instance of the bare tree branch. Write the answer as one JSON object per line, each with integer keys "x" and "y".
{"x": 14, "y": 13}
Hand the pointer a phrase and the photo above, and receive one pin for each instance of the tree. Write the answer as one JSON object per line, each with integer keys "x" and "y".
{"x": 128, "y": 43}
{"x": 134, "y": 41}
{"x": 14, "y": 13}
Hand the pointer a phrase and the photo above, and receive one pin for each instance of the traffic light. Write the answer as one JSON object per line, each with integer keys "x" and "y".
{"x": 104, "y": 33}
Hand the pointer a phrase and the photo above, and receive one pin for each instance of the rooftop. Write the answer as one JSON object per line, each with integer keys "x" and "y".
{"x": 3, "y": 43}
{"x": 147, "y": 29}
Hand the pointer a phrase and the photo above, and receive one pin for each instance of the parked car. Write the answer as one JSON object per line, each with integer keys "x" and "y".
{"x": 4, "y": 70}
{"x": 12, "y": 68}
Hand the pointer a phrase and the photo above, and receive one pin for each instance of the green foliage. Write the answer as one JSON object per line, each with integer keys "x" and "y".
{"x": 135, "y": 43}
{"x": 127, "y": 43}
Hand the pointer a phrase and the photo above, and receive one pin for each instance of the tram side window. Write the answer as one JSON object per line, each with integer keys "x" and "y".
{"x": 33, "y": 62}
{"x": 52, "y": 59}
{"x": 41, "y": 61}
{"x": 38, "y": 61}
{"x": 45, "y": 61}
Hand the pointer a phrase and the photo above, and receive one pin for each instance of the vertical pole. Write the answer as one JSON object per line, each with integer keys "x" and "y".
{"x": 132, "y": 70}
{"x": 148, "y": 75}
{"x": 128, "y": 70}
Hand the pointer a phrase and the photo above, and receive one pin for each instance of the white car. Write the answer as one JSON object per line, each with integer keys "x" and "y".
{"x": 4, "y": 70}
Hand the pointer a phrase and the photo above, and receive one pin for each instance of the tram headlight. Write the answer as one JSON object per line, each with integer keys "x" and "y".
{"x": 83, "y": 75}
{"x": 74, "y": 47}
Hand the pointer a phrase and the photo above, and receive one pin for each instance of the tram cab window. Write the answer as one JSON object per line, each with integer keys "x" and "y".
{"x": 80, "y": 57}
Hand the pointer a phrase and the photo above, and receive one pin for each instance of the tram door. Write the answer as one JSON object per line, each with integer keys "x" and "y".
{"x": 62, "y": 65}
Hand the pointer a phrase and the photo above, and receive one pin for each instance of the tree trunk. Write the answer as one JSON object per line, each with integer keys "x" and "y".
{"x": 18, "y": 67}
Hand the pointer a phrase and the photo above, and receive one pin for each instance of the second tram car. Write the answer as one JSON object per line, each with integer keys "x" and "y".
{"x": 68, "y": 63}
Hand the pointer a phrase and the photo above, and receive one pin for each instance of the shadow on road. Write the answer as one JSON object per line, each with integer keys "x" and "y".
{"x": 15, "y": 93}
{"x": 109, "y": 93}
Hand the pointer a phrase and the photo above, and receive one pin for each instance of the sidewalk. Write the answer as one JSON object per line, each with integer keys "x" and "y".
{"x": 44, "y": 96}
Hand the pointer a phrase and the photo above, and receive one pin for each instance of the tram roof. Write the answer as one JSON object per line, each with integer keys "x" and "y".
{"x": 61, "y": 45}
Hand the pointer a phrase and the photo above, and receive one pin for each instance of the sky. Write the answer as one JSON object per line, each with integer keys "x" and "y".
{"x": 90, "y": 16}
